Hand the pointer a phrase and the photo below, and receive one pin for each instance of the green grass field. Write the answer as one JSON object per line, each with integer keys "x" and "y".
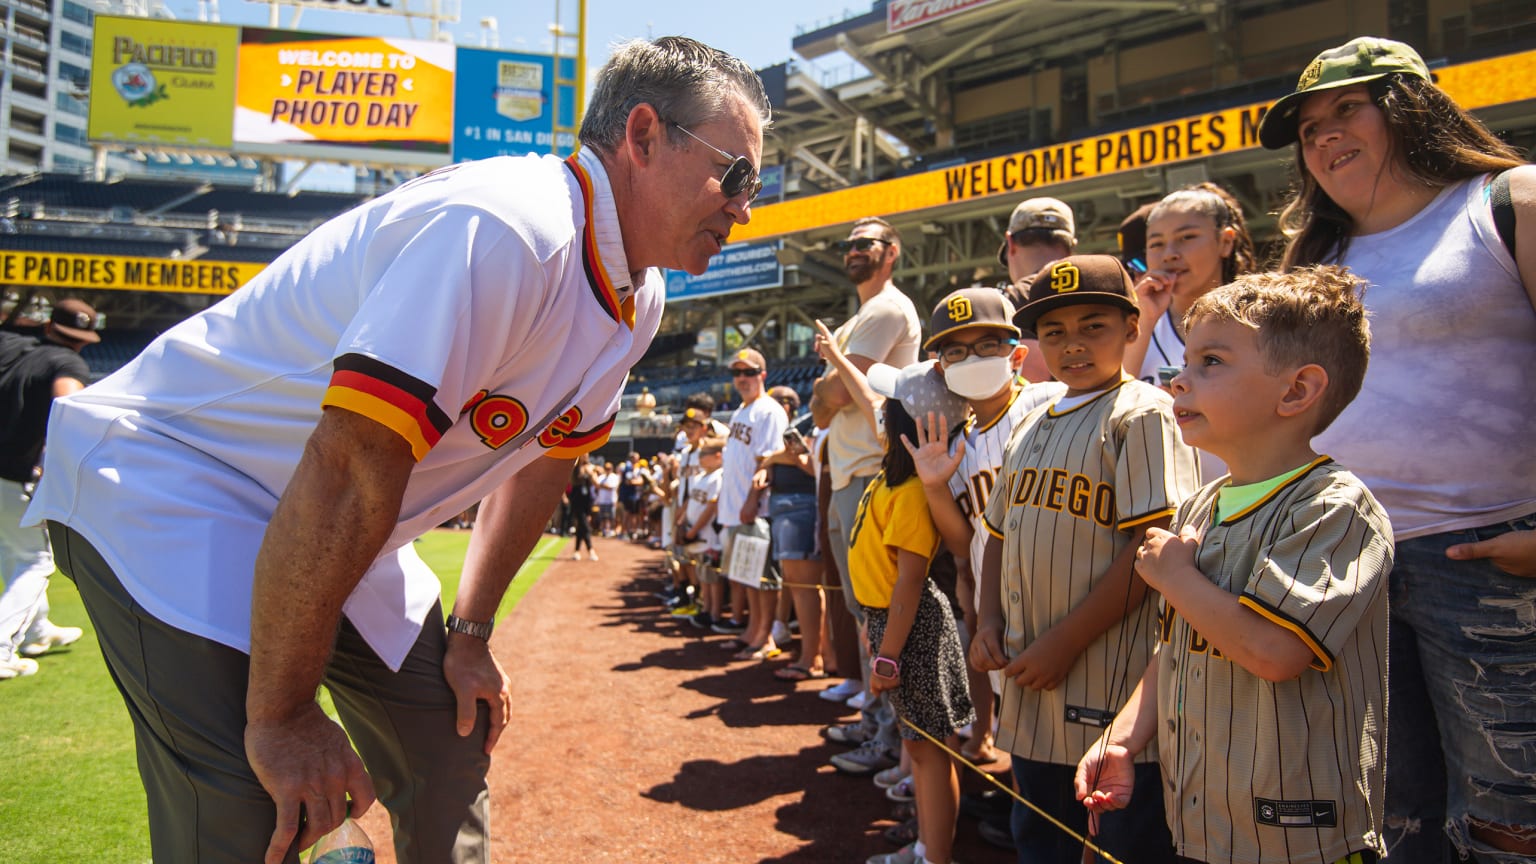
{"x": 70, "y": 788}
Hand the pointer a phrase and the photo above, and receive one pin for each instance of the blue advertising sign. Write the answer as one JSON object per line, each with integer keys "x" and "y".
{"x": 503, "y": 104}
{"x": 739, "y": 267}
{"x": 773, "y": 183}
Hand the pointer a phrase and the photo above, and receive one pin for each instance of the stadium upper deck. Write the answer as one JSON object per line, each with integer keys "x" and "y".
{"x": 948, "y": 114}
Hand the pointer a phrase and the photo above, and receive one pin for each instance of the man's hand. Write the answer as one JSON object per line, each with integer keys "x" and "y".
{"x": 475, "y": 676}
{"x": 1162, "y": 555}
{"x": 1105, "y": 778}
{"x": 1514, "y": 552}
{"x": 987, "y": 653}
{"x": 306, "y": 761}
{"x": 1044, "y": 664}
{"x": 934, "y": 463}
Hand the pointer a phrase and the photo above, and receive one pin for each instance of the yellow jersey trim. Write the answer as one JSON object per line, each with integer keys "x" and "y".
{"x": 1322, "y": 660}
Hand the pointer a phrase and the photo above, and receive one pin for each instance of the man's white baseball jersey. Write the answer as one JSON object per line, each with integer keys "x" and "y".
{"x": 757, "y": 429}
{"x": 887, "y": 330}
{"x": 1260, "y": 772}
{"x": 484, "y": 312}
{"x": 985, "y": 444}
{"x": 1076, "y": 481}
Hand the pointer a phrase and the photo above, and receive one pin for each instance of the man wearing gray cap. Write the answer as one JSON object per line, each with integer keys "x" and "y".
{"x": 33, "y": 372}
{"x": 1041, "y": 230}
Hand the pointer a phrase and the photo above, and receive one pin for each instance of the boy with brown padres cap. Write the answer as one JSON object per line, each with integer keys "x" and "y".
{"x": 1063, "y": 615}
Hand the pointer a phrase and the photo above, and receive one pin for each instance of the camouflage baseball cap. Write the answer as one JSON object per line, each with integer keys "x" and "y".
{"x": 1355, "y": 62}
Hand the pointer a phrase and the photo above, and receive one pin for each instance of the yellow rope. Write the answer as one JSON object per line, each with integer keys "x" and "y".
{"x": 788, "y": 584}
{"x": 1016, "y": 796}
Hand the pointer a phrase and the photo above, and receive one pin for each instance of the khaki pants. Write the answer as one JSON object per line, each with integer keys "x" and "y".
{"x": 186, "y": 696}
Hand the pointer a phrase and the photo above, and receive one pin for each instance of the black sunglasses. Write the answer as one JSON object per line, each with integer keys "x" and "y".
{"x": 745, "y": 371}
{"x": 739, "y": 178}
{"x": 862, "y": 244}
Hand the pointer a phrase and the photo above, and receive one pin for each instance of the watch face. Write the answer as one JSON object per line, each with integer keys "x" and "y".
{"x": 885, "y": 667}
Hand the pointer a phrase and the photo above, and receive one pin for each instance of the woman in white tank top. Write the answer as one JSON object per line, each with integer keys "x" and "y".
{"x": 1395, "y": 181}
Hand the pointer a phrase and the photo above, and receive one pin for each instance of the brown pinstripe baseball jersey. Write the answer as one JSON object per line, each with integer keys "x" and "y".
{"x": 1075, "y": 482}
{"x": 1259, "y": 772}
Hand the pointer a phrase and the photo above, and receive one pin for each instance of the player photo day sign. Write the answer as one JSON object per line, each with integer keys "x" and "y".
{"x": 158, "y": 82}
{"x": 311, "y": 92}
{"x": 293, "y": 94}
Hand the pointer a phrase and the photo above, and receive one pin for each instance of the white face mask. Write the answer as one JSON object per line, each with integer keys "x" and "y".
{"x": 978, "y": 377}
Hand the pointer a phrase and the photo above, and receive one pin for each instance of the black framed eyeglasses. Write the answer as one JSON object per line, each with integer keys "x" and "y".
{"x": 739, "y": 178}
{"x": 955, "y": 352}
{"x": 861, "y": 244}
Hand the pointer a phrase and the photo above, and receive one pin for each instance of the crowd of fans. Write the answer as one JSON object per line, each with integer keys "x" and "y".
{"x": 986, "y": 559}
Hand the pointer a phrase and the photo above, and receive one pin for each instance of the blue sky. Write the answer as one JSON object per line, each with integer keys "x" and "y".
{"x": 740, "y": 27}
{"x": 761, "y": 40}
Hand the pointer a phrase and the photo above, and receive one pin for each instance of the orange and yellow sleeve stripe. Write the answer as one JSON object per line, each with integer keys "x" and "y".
{"x": 578, "y": 444}
{"x": 389, "y": 397}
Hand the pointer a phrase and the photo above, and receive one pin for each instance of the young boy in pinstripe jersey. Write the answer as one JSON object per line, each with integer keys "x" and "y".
{"x": 1062, "y": 616}
{"x": 1266, "y": 696}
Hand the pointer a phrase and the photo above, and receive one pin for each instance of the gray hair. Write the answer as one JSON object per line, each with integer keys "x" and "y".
{"x": 686, "y": 81}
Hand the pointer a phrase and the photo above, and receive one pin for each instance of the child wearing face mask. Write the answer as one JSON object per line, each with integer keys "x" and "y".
{"x": 1197, "y": 241}
{"x": 979, "y": 356}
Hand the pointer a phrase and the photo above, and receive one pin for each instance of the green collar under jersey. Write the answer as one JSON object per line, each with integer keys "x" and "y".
{"x": 1236, "y": 499}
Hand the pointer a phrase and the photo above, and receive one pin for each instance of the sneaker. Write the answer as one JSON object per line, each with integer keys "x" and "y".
{"x": 851, "y": 734}
{"x": 17, "y": 667}
{"x": 780, "y": 633}
{"x": 905, "y": 855}
{"x": 841, "y": 692}
{"x": 703, "y": 621}
{"x": 685, "y": 611}
{"x": 576, "y": 556}
{"x": 996, "y": 834}
{"x": 986, "y": 806}
{"x": 48, "y": 636}
{"x": 890, "y": 776}
{"x": 871, "y": 756}
{"x": 857, "y": 701}
{"x": 668, "y": 593}
{"x": 901, "y": 791}
{"x": 593, "y": 555}
{"x": 728, "y": 625}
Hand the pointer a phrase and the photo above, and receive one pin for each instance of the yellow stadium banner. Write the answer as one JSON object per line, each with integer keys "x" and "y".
{"x": 314, "y": 89}
{"x": 162, "y": 82}
{"x": 124, "y": 273}
{"x": 1480, "y": 84}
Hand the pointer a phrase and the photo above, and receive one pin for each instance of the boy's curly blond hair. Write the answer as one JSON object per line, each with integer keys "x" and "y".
{"x": 1310, "y": 315}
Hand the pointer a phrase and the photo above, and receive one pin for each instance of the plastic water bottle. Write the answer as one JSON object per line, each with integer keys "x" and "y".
{"x": 348, "y": 844}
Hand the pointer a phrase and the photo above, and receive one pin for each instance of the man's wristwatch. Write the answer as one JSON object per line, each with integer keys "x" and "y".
{"x": 477, "y": 629}
{"x": 885, "y": 667}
